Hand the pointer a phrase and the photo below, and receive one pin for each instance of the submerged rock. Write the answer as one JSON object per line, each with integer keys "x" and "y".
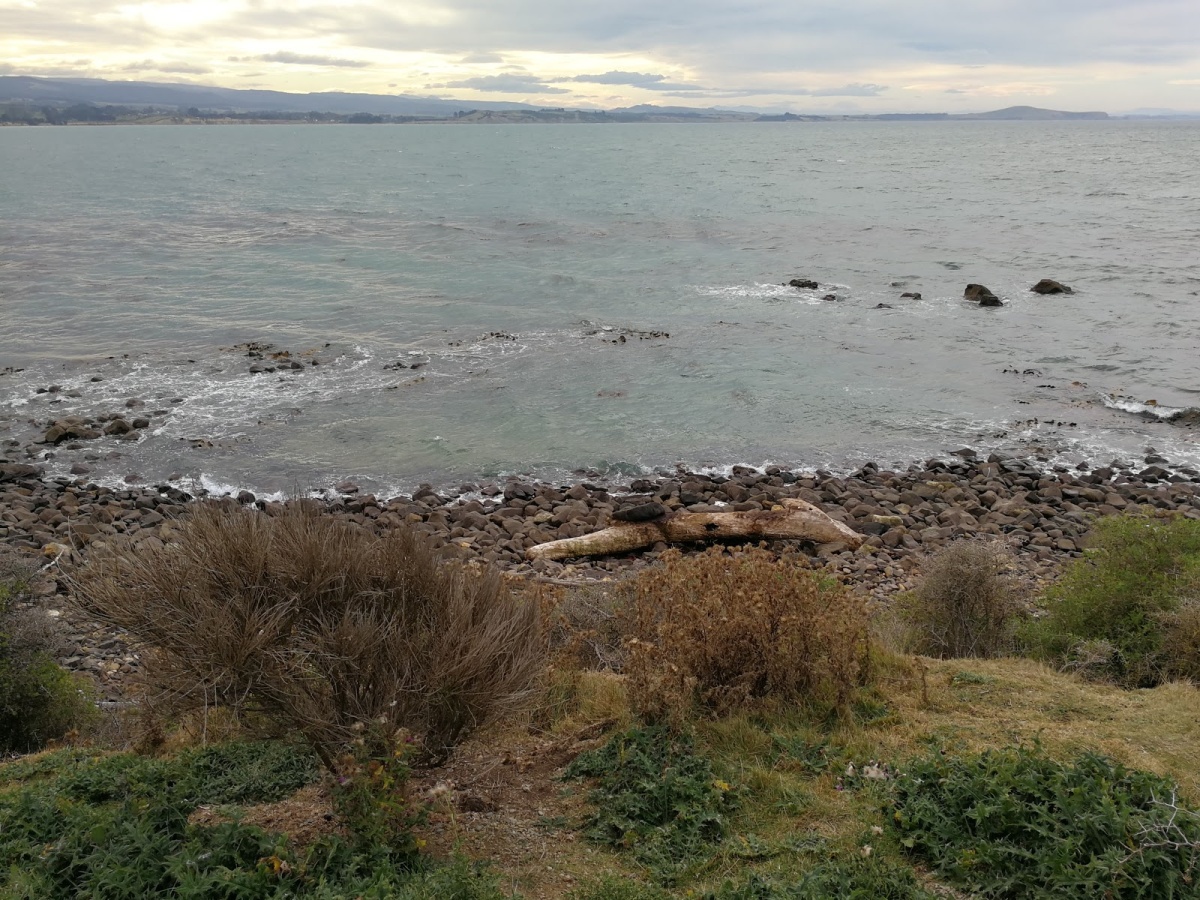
{"x": 1050, "y": 286}
{"x": 979, "y": 294}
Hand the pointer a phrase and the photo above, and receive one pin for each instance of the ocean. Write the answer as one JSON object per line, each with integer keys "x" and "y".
{"x": 564, "y": 299}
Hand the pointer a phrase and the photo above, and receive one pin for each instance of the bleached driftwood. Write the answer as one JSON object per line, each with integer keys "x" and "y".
{"x": 793, "y": 520}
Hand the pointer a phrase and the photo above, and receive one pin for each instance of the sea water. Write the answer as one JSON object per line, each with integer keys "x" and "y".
{"x": 488, "y": 300}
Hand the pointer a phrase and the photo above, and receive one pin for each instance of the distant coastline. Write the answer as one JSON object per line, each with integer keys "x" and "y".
{"x": 27, "y": 100}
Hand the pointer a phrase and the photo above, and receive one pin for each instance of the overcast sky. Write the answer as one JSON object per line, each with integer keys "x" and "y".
{"x": 802, "y": 55}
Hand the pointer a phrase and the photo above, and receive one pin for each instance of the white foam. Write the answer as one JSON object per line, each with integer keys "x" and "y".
{"x": 1133, "y": 406}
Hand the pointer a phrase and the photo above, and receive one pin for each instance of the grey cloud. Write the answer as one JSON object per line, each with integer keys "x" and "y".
{"x": 504, "y": 84}
{"x": 641, "y": 79}
{"x": 481, "y": 58}
{"x": 851, "y": 90}
{"x": 176, "y": 68}
{"x": 303, "y": 59}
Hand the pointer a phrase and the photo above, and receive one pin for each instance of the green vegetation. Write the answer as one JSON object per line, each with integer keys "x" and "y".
{"x": 1129, "y": 611}
{"x": 39, "y": 700}
{"x": 657, "y": 798}
{"x": 742, "y": 735}
{"x": 1014, "y": 823}
{"x": 78, "y": 824}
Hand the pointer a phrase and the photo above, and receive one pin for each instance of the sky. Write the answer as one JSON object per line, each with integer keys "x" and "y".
{"x": 868, "y": 56}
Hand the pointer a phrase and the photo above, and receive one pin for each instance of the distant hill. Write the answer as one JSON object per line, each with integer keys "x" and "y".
{"x": 148, "y": 93}
{"x": 1031, "y": 113}
{"x": 177, "y": 97}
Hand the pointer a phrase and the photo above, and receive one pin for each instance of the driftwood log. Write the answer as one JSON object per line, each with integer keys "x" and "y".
{"x": 792, "y": 520}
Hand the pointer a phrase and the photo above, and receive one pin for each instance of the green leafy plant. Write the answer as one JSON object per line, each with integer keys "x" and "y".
{"x": 369, "y": 792}
{"x": 1018, "y": 824}
{"x": 117, "y": 826}
{"x": 1127, "y": 612}
{"x": 656, "y": 798}
{"x": 39, "y": 700}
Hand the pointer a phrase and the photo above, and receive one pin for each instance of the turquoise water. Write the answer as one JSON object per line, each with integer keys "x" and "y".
{"x": 139, "y": 255}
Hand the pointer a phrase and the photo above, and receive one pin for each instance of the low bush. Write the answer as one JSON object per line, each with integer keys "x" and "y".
{"x": 320, "y": 627}
{"x": 39, "y": 700}
{"x": 656, "y": 798}
{"x": 965, "y": 604}
{"x": 1017, "y": 824}
{"x": 116, "y": 826}
{"x": 717, "y": 630}
{"x": 1129, "y": 611}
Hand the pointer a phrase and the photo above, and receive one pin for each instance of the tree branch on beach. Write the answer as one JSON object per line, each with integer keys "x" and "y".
{"x": 791, "y": 520}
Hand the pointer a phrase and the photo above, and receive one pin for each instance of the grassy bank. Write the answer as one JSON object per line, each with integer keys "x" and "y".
{"x": 726, "y": 725}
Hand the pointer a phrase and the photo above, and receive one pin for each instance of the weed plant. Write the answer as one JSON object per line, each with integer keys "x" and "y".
{"x": 117, "y": 826}
{"x": 965, "y": 604}
{"x": 656, "y": 798}
{"x": 715, "y": 631}
{"x": 1016, "y": 824}
{"x": 39, "y": 700}
{"x": 319, "y": 626}
{"x": 1129, "y": 611}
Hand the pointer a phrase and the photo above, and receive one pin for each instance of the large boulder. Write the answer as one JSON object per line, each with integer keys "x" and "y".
{"x": 1050, "y": 286}
{"x": 71, "y": 429}
{"x": 977, "y": 293}
{"x": 804, "y": 284}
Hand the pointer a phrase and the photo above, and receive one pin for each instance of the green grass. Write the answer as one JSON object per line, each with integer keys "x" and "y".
{"x": 78, "y": 824}
{"x": 1015, "y": 824}
{"x": 1114, "y": 614}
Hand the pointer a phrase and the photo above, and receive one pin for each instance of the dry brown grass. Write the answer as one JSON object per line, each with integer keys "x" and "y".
{"x": 718, "y": 630}
{"x": 965, "y": 603}
{"x": 320, "y": 627}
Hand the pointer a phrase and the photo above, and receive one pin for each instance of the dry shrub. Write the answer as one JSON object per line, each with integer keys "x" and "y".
{"x": 585, "y": 625}
{"x": 320, "y": 626}
{"x": 715, "y": 631}
{"x": 966, "y": 604}
{"x": 1181, "y": 641}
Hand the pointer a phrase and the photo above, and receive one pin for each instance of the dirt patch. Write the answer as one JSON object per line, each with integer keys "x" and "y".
{"x": 304, "y": 817}
{"x": 501, "y": 800}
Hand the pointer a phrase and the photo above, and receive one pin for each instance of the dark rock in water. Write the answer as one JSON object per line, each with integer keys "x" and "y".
{"x": 346, "y": 487}
{"x": 134, "y": 402}
{"x": 884, "y": 306}
{"x": 1153, "y": 473}
{"x": 69, "y": 430}
{"x": 643, "y": 512}
{"x": 141, "y": 423}
{"x": 117, "y": 426}
{"x": 803, "y": 283}
{"x": 911, "y": 295}
{"x": 965, "y": 453}
{"x": 1050, "y": 286}
{"x": 981, "y": 295}
{"x": 80, "y": 469}
{"x": 245, "y": 498}
{"x": 1185, "y": 417}
{"x": 17, "y": 471}
{"x": 829, "y": 297}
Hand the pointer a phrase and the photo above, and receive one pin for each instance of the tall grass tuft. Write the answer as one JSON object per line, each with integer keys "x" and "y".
{"x": 321, "y": 627}
{"x": 965, "y": 604}
{"x": 711, "y": 632}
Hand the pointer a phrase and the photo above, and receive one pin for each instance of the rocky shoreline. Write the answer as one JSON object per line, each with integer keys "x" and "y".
{"x": 905, "y": 515}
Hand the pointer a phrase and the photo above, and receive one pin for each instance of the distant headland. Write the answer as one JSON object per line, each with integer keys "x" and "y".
{"x": 27, "y": 100}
